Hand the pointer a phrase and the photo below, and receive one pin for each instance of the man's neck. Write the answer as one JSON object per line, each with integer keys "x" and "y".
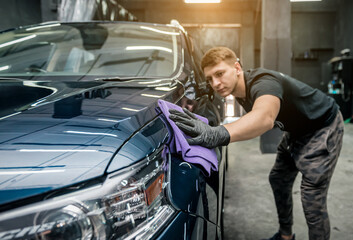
{"x": 240, "y": 89}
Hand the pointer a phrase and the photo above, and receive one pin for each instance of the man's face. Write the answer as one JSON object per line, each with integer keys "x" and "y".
{"x": 222, "y": 77}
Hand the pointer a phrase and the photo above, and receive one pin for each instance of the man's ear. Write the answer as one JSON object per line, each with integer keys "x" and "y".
{"x": 238, "y": 68}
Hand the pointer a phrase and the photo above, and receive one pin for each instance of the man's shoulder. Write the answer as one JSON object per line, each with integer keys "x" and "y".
{"x": 264, "y": 82}
{"x": 255, "y": 75}
{"x": 260, "y": 70}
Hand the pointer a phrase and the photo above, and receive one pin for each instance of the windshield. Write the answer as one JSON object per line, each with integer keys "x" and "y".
{"x": 89, "y": 50}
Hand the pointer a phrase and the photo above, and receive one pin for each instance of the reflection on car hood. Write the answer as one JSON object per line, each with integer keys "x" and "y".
{"x": 50, "y": 142}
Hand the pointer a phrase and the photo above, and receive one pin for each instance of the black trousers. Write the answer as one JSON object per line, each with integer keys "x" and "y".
{"x": 314, "y": 156}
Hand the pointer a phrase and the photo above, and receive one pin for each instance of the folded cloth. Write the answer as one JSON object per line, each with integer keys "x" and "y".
{"x": 195, "y": 154}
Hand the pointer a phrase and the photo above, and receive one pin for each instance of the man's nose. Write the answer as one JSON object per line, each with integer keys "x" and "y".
{"x": 215, "y": 82}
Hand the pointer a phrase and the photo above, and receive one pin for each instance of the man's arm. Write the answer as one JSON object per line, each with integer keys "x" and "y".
{"x": 256, "y": 122}
{"x": 260, "y": 119}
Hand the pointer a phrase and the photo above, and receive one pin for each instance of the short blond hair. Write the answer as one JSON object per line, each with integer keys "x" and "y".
{"x": 216, "y": 55}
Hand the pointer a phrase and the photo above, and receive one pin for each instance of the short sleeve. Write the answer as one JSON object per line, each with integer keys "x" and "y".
{"x": 266, "y": 85}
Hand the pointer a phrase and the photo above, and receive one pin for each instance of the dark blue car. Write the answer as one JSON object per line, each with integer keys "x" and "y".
{"x": 81, "y": 142}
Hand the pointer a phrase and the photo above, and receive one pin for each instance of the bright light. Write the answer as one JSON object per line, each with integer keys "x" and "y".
{"x": 112, "y": 120}
{"x": 151, "y": 95}
{"x": 56, "y": 150}
{"x": 159, "y": 31}
{"x": 148, "y": 48}
{"x": 130, "y": 109}
{"x": 44, "y": 26}
{"x": 13, "y": 114}
{"x": 108, "y": 120}
{"x": 29, "y": 172}
{"x": 202, "y": 1}
{"x": 3, "y": 68}
{"x": 305, "y": 0}
{"x": 17, "y": 40}
{"x": 229, "y": 106}
{"x": 165, "y": 89}
{"x": 92, "y": 133}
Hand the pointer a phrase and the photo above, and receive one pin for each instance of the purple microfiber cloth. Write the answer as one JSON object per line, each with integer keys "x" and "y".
{"x": 195, "y": 154}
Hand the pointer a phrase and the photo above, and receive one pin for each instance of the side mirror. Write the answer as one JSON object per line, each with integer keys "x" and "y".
{"x": 195, "y": 90}
{"x": 205, "y": 88}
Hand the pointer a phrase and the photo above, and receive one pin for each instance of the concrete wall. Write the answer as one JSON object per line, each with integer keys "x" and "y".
{"x": 19, "y": 12}
{"x": 313, "y": 42}
{"x": 344, "y": 26}
{"x": 49, "y": 9}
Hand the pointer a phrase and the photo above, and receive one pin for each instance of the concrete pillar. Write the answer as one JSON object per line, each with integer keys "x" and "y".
{"x": 247, "y": 40}
{"x": 49, "y": 10}
{"x": 276, "y": 50}
{"x": 276, "y": 46}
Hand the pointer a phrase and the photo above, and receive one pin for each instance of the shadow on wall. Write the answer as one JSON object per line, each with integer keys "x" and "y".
{"x": 209, "y": 36}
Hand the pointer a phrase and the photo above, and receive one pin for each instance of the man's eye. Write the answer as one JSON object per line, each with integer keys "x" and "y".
{"x": 219, "y": 74}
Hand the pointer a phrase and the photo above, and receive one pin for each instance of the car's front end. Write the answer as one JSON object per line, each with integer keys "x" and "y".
{"x": 81, "y": 143}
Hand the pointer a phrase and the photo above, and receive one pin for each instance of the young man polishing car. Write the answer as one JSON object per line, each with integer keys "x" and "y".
{"x": 312, "y": 140}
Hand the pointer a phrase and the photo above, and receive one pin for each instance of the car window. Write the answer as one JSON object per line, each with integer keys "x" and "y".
{"x": 96, "y": 49}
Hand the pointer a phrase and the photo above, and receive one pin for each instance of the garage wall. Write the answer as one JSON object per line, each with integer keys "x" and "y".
{"x": 19, "y": 12}
{"x": 313, "y": 42}
{"x": 320, "y": 30}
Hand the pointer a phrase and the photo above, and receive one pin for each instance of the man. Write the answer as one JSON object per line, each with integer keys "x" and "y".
{"x": 311, "y": 143}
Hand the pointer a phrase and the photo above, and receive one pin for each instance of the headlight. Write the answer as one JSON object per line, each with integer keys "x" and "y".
{"x": 128, "y": 205}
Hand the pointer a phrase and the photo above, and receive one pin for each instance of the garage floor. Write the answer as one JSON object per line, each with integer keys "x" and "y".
{"x": 250, "y": 212}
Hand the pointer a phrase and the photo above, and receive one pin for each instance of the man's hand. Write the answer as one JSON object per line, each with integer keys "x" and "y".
{"x": 201, "y": 133}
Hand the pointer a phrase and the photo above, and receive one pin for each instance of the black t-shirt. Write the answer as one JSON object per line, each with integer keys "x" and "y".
{"x": 303, "y": 108}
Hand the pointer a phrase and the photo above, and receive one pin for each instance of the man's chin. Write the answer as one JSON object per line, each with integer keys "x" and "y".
{"x": 223, "y": 94}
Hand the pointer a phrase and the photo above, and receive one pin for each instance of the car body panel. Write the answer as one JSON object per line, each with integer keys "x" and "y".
{"x": 65, "y": 149}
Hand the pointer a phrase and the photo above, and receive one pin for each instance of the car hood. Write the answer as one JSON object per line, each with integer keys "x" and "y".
{"x": 58, "y": 134}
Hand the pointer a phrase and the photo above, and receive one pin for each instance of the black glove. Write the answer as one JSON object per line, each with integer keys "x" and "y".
{"x": 202, "y": 134}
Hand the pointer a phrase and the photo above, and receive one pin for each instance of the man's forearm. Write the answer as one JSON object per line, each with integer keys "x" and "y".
{"x": 249, "y": 126}
{"x": 259, "y": 120}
